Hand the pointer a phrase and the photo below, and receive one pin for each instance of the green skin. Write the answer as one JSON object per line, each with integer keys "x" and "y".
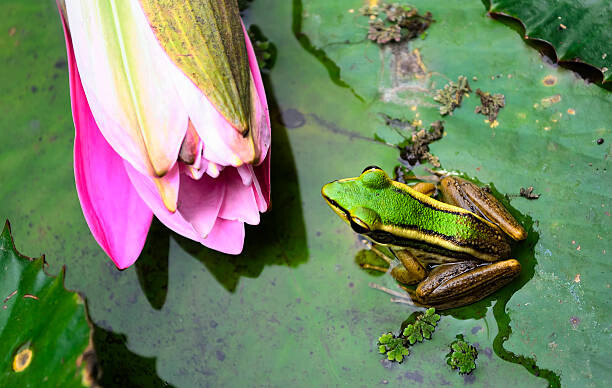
{"x": 423, "y": 231}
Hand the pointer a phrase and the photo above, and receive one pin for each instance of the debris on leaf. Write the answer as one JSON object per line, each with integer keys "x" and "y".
{"x": 452, "y": 94}
{"x": 369, "y": 10}
{"x": 547, "y": 102}
{"x": 462, "y": 356}
{"x": 402, "y": 22}
{"x": 265, "y": 51}
{"x": 491, "y": 104}
{"x": 402, "y": 174}
{"x": 399, "y": 13}
{"x": 415, "y": 149}
{"x": 398, "y": 124}
{"x": 408, "y": 18}
{"x": 393, "y": 346}
{"x": 381, "y": 33}
{"x": 423, "y": 327}
{"x": 528, "y": 193}
{"x": 418, "y": 149}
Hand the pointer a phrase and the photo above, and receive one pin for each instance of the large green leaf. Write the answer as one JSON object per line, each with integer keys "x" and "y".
{"x": 295, "y": 308}
{"x": 43, "y": 328}
{"x": 578, "y": 30}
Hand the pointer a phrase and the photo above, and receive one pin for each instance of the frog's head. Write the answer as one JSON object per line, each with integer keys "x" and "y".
{"x": 354, "y": 199}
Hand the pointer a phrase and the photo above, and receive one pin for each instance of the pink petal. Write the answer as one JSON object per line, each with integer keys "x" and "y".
{"x": 246, "y": 175}
{"x": 118, "y": 219}
{"x": 226, "y": 236}
{"x": 261, "y": 183}
{"x": 239, "y": 202}
{"x": 262, "y": 113}
{"x": 145, "y": 186}
{"x": 200, "y": 201}
{"x": 198, "y": 205}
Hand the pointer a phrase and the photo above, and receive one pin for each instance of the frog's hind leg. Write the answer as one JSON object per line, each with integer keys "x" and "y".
{"x": 454, "y": 285}
{"x": 478, "y": 200}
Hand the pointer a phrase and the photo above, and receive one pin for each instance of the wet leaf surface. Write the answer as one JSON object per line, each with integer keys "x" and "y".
{"x": 120, "y": 367}
{"x": 295, "y": 307}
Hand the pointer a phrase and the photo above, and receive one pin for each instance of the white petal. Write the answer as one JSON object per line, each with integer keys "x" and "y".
{"x": 123, "y": 68}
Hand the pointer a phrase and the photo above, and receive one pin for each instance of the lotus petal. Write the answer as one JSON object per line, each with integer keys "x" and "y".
{"x": 145, "y": 186}
{"x": 239, "y": 202}
{"x": 200, "y": 201}
{"x": 138, "y": 111}
{"x": 261, "y": 183}
{"x": 262, "y": 114}
{"x": 168, "y": 188}
{"x": 224, "y": 145}
{"x": 226, "y": 236}
{"x": 118, "y": 218}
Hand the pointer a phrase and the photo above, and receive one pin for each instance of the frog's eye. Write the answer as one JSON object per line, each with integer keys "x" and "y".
{"x": 374, "y": 177}
{"x": 371, "y": 168}
{"x": 359, "y": 226}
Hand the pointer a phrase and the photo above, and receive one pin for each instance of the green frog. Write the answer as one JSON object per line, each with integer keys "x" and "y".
{"x": 456, "y": 249}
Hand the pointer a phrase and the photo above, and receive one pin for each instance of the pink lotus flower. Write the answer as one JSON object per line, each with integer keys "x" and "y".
{"x": 163, "y": 126}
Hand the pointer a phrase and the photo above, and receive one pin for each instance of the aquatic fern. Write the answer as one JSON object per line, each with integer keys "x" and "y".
{"x": 396, "y": 347}
{"x": 393, "y": 346}
{"x": 423, "y": 327}
{"x": 462, "y": 356}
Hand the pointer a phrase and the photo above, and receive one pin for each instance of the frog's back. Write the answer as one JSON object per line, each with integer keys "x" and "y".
{"x": 412, "y": 220}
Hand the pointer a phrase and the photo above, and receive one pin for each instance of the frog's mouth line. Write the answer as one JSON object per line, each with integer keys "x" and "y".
{"x": 344, "y": 214}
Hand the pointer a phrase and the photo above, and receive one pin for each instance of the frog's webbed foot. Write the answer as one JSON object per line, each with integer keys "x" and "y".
{"x": 454, "y": 285}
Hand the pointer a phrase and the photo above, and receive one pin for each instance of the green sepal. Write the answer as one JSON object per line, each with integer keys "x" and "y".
{"x": 204, "y": 38}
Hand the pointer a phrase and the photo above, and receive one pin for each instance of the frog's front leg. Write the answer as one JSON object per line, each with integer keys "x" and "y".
{"x": 408, "y": 271}
{"x": 458, "y": 284}
{"x": 411, "y": 270}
